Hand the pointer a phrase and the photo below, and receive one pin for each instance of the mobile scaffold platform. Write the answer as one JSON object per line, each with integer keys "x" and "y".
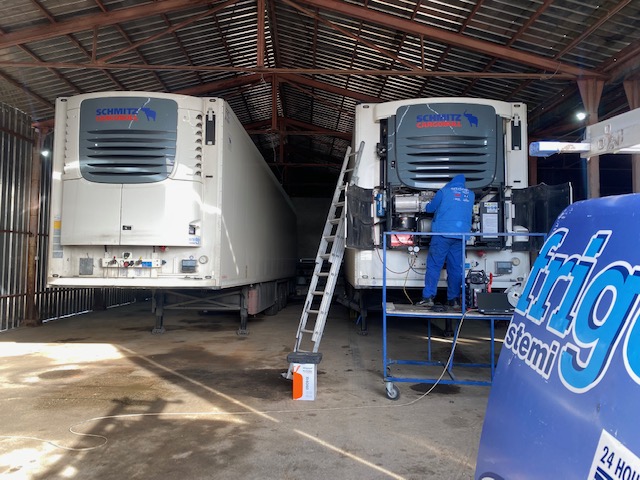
{"x": 455, "y": 319}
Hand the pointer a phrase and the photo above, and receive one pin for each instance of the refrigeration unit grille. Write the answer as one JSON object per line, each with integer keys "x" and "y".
{"x": 431, "y": 144}
{"x": 125, "y": 140}
{"x": 127, "y": 156}
{"x": 441, "y": 158}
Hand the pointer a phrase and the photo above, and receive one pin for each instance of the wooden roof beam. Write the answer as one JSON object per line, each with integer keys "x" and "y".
{"x": 462, "y": 41}
{"x": 239, "y": 81}
{"x": 309, "y": 82}
{"x": 89, "y": 22}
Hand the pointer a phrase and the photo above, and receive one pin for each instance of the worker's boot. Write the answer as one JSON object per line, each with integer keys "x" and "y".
{"x": 454, "y": 305}
{"x": 425, "y": 302}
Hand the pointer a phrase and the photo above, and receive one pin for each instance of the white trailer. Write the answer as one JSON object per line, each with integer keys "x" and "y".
{"x": 168, "y": 193}
{"x": 411, "y": 149}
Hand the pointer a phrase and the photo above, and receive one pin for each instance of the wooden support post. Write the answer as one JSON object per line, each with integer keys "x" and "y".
{"x": 261, "y": 36}
{"x": 32, "y": 317}
{"x": 274, "y": 103}
{"x": 591, "y": 91}
{"x": 632, "y": 89}
{"x": 532, "y": 167}
{"x": 533, "y": 171}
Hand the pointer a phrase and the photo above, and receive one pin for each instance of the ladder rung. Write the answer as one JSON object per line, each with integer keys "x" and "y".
{"x": 329, "y": 238}
{"x": 323, "y": 274}
{"x": 324, "y": 256}
{"x": 319, "y": 292}
{"x": 306, "y": 330}
{"x": 339, "y": 204}
{"x": 334, "y": 221}
{"x": 313, "y": 311}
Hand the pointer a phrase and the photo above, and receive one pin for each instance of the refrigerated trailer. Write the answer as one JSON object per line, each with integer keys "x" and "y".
{"x": 414, "y": 147}
{"x": 167, "y": 193}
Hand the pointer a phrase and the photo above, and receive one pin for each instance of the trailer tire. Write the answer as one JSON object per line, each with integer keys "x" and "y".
{"x": 283, "y": 295}
{"x": 272, "y": 310}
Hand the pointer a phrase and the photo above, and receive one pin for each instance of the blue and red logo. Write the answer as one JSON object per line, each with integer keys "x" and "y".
{"x": 124, "y": 114}
{"x": 454, "y": 120}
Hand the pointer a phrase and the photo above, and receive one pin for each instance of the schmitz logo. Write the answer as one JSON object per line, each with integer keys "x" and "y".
{"x": 126, "y": 114}
{"x": 594, "y": 315}
{"x": 432, "y": 120}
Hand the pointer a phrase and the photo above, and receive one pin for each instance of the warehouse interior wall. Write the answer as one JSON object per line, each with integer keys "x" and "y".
{"x": 16, "y": 143}
{"x": 311, "y": 216}
{"x": 17, "y": 140}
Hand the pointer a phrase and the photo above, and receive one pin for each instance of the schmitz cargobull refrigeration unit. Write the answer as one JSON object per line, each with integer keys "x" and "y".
{"x": 414, "y": 147}
{"x": 168, "y": 193}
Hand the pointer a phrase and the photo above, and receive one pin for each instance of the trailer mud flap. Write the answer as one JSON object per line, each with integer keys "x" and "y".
{"x": 359, "y": 217}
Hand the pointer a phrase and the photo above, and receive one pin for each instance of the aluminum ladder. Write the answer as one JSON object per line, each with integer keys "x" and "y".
{"x": 328, "y": 263}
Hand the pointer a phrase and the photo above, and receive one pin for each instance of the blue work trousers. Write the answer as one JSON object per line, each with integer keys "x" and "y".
{"x": 443, "y": 249}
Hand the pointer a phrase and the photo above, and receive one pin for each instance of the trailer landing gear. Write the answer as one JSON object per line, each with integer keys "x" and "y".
{"x": 248, "y": 300}
{"x": 158, "y": 309}
{"x": 244, "y": 315}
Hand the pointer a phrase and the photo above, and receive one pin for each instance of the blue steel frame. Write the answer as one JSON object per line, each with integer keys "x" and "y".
{"x": 407, "y": 312}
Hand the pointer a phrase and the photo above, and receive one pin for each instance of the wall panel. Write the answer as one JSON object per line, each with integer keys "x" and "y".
{"x": 17, "y": 140}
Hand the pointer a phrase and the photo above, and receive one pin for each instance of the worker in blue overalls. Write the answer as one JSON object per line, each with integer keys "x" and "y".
{"x": 452, "y": 207}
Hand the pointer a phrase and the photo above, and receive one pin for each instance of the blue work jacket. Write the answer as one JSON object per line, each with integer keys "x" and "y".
{"x": 452, "y": 207}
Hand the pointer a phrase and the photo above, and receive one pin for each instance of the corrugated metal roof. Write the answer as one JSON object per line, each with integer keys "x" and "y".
{"x": 359, "y": 50}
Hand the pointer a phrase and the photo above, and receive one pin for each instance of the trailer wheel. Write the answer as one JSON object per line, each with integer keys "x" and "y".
{"x": 272, "y": 310}
{"x": 283, "y": 295}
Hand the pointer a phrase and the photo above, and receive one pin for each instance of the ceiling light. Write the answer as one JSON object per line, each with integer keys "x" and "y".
{"x": 581, "y": 116}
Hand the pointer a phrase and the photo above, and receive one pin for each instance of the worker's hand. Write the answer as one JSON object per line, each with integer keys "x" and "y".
{"x": 425, "y": 197}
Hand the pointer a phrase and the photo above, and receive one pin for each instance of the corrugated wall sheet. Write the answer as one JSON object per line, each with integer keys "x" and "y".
{"x": 17, "y": 139}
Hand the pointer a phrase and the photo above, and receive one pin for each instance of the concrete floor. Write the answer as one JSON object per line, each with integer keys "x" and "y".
{"x": 98, "y": 397}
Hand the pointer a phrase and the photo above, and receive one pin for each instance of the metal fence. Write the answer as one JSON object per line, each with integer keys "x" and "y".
{"x": 16, "y": 145}
{"x": 17, "y": 141}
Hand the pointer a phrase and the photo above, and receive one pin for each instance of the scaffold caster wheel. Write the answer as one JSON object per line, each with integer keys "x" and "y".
{"x": 392, "y": 391}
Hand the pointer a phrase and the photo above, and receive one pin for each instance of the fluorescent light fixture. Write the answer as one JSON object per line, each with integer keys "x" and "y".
{"x": 545, "y": 149}
{"x": 618, "y": 134}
